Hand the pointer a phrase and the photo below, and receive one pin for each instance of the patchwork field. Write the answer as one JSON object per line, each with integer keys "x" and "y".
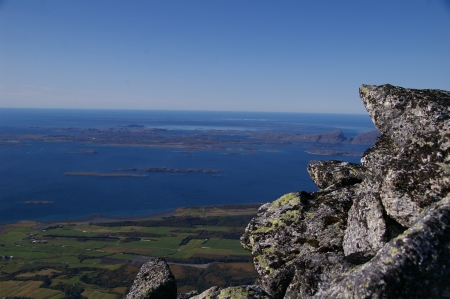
{"x": 100, "y": 260}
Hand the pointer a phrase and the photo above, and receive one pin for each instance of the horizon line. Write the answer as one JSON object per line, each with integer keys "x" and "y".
{"x": 180, "y": 110}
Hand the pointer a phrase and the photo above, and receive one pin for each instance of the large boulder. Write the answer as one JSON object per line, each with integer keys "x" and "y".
{"x": 299, "y": 232}
{"x": 413, "y": 265}
{"x": 408, "y": 164}
{"x": 374, "y": 227}
{"x": 240, "y": 292}
{"x": 154, "y": 281}
{"x": 334, "y": 173}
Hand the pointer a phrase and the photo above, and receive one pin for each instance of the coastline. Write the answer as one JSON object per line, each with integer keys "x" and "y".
{"x": 99, "y": 218}
{"x": 94, "y": 218}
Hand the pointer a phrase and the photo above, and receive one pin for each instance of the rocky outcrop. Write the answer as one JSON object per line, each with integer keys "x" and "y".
{"x": 376, "y": 230}
{"x": 413, "y": 265}
{"x": 365, "y": 210}
{"x": 240, "y": 292}
{"x": 335, "y": 174}
{"x": 299, "y": 232}
{"x": 154, "y": 281}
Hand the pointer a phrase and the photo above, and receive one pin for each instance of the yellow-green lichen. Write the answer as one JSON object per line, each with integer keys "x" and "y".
{"x": 236, "y": 293}
{"x": 291, "y": 215}
{"x": 291, "y": 199}
{"x": 262, "y": 262}
{"x": 263, "y": 230}
{"x": 393, "y": 250}
{"x": 278, "y": 221}
{"x": 309, "y": 214}
{"x": 233, "y": 292}
{"x": 268, "y": 250}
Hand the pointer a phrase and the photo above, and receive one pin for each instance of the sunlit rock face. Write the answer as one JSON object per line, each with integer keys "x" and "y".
{"x": 334, "y": 174}
{"x": 380, "y": 229}
{"x": 345, "y": 240}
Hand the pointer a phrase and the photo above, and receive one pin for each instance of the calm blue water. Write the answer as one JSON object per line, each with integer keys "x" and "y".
{"x": 35, "y": 171}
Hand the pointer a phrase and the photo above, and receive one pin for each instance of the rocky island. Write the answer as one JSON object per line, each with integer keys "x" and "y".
{"x": 38, "y": 202}
{"x": 98, "y": 174}
{"x": 380, "y": 229}
{"x": 172, "y": 170}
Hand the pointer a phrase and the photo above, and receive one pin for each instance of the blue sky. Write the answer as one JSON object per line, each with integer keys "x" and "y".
{"x": 235, "y": 55}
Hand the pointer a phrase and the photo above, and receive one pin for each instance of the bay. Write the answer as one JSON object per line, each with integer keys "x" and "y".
{"x": 33, "y": 171}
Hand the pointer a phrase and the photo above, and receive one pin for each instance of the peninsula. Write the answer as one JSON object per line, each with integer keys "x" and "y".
{"x": 137, "y": 135}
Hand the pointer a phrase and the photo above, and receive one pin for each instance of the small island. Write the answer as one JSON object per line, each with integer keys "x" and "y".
{"x": 333, "y": 153}
{"x": 105, "y": 174}
{"x": 172, "y": 170}
{"x": 38, "y": 202}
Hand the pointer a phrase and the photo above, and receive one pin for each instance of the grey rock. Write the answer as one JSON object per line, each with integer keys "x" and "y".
{"x": 240, "y": 292}
{"x": 314, "y": 272}
{"x": 406, "y": 114}
{"x": 187, "y": 295}
{"x": 407, "y": 163}
{"x": 154, "y": 280}
{"x": 298, "y": 228}
{"x": 412, "y": 265}
{"x": 366, "y": 227}
{"x": 210, "y": 293}
{"x": 298, "y": 254}
{"x": 334, "y": 173}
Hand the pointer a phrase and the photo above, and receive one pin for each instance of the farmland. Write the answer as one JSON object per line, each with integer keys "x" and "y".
{"x": 100, "y": 260}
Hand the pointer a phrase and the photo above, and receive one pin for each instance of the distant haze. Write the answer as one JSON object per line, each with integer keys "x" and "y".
{"x": 253, "y": 55}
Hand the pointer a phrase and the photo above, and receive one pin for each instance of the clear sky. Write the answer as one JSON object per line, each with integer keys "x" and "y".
{"x": 236, "y": 55}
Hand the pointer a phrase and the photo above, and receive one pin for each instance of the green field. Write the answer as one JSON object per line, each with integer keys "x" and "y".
{"x": 100, "y": 260}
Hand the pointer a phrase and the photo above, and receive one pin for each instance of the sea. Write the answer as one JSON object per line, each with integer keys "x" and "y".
{"x": 33, "y": 185}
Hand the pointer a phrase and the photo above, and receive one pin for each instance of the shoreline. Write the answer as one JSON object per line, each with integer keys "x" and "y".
{"x": 94, "y": 218}
{"x": 99, "y": 218}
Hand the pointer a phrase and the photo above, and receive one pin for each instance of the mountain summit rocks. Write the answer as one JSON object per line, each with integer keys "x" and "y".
{"x": 380, "y": 229}
{"x": 154, "y": 281}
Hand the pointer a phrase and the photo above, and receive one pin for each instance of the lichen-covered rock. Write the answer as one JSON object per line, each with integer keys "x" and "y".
{"x": 298, "y": 228}
{"x": 404, "y": 171}
{"x": 240, "y": 292}
{"x": 407, "y": 114}
{"x": 412, "y": 265}
{"x": 407, "y": 164}
{"x": 314, "y": 272}
{"x": 298, "y": 254}
{"x": 366, "y": 227}
{"x": 210, "y": 293}
{"x": 154, "y": 281}
{"x": 187, "y": 295}
{"x": 334, "y": 173}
